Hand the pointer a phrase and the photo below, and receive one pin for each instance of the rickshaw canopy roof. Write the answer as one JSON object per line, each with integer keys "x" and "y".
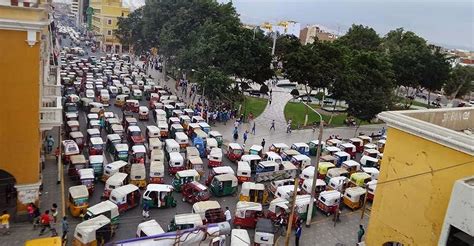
{"x": 113, "y": 121}
{"x": 325, "y": 164}
{"x": 299, "y": 145}
{"x": 366, "y": 158}
{"x": 301, "y": 157}
{"x": 330, "y": 195}
{"x": 116, "y": 128}
{"x": 341, "y": 154}
{"x": 160, "y": 112}
{"x": 97, "y": 140}
{"x": 327, "y": 158}
{"x": 157, "y": 166}
{"x": 122, "y": 191}
{"x": 87, "y": 229}
{"x": 86, "y": 173}
{"x": 257, "y": 148}
{"x": 235, "y": 146}
{"x": 116, "y": 164}
{"x": 309, "y": 171}
{"x": 247, "y": 186}
{"x": 181, "y": 136}
{"x": 94, "y": 122}
{"x": 239, "y": 235}
{"x": 169, "y": 106}
{"x": 159, "y": 187}
{"x": 243, "y": 166}
{"x": 150, "y": 228}
{"x": 117, "y": 178}
{"x": 204, "y": 125}
{"x": 187, "y": 173}
{"x": 268, "y": 164}
{"x": 77, "y": 159}
{"x": 211, "y": 142}
{"x": 143, "y": 109}
{"x": 175, "y": 156}
{"x": 155, "y": 142}
{"x": 226, "y": 177}
{"x": 291, "y": 152}
{"x": 121, "y": 147}
{"x": 280, "y": 202}
{"x": 73, "y": 123}
{"x": 355, "y": 191}
{"x": 192, "y": 151}
{"x": 309, "y": 182}
{"x": 273, "y": 155}
{"x": 171, "y": 143}
{"x": 153, "y": 129}
{"x": 351, "y": 163}
{"x": 93, "y": 131}
{"x": 222, "y": 170}
{"x": 250, "y": 158}
{"x": 348, "y": 145}
{"x": 214, "y": 134}
{"x": 113, "y": 137}
{"x": 288, "y": 165}
{"x": 134, "y": 129}
{"x": 216, "y": 152}
{"x": 360, "y": 176}
{"x": 203, "y": 206}
{"x": 371, "y": 150}
{"x": 316, "y": 142}
{"x": 177, "y": 126}
{"x": 188, "y": 218}
{"x": 198, "y": 185}
{"x": 104, "y": 206}
{"x": 333, "y": 149}
{"x": 370, "y": 170}
{"x": 138, "y": 149}
{"x": 363, "y": 137}
{"x": 71, "y": 115}
{"x": 285, "y": 189}
{"x": 76, "y": 134}
{"x": 280, "y": 146}
{"x": 337, "y": 171}
{"x": 195, "y": 160}
{"x": 254, "y": 206}
{"x": 78, "y": 191}
{"x": 93, "y": 116}
{"x": 137, "y": 169}
{"x": 355, "y": 140}
{"x": 264, "y": 225}
{"x": 334, "y": 141}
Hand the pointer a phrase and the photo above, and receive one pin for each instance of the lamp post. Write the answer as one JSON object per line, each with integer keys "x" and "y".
{"x": 315, "y": 175}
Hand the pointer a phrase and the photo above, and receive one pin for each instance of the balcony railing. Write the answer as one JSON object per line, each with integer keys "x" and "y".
{"x": 50, "y": 112}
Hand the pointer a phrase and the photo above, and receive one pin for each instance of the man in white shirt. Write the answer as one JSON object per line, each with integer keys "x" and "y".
{"x": 228, "y": 216}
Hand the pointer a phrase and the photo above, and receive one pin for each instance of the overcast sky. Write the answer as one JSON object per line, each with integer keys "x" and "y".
{"x": 447, "y": 23}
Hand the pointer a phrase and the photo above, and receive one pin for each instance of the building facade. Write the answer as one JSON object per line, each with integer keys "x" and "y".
{"x": 308, "y": 34}
{"x": 31, "y": 99}
{"x": 105, "y": 14}
{"x": 426, "y": 152}
{"x": 282, "y": 28}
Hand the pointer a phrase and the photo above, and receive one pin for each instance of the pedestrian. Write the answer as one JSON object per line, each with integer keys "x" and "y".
{"x": 263, "y": 143}
{"x": 288, "y": 128}
{"x": 297, "y": 235}
{"x": 31, "y": 212}
{"x": 236, "y": 135}
{"x": 236, "y": 123}
{"x": 45, "y": 222}
{"x": 36, "y": 217}
{"x": 5, "y": 222}
{"x": 253, "y": 128}
{"x": 65, "y": 229}
{"x": 228, "y": 215}
{"x": 360, "y": 233}
{"x": 146, "y": 211}
{"x": 54, "y": 212}
{"x": 49, "y": 144}
{"x": 245, "y": 135}
{"x": 270, "y": 100}
{"x": 272, "y": 125}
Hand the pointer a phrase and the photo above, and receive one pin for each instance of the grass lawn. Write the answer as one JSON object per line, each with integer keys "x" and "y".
{"x": 415, "y": 103}
{"x": 296, "y": 112}
{"x": 255, "y": 105}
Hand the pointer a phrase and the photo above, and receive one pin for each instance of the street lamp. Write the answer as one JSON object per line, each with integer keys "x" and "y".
{"x": 315, "y": 175}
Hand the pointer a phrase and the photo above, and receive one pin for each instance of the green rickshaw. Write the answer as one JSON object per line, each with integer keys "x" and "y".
{"x": 121, "y": 152}
{"x": 218, "y": 136}
{"x": 224, "y": 185}
{"x": 159, "y": 196}
{"x": 313, "y": 147}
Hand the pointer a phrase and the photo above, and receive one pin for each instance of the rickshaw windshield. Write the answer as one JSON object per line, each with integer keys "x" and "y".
{"x": 140, "y": 155}
{"x": 97, "y": 146}
{"x": 71, "y": 108}
{"x": 79, "y": 166}
{"x": 78, "y": 140}
{"x": 87, "y": 181}
{"x": 122, "y": 153}
{"x": 80, "y": 201}
{"x": 237, "y": 151}
{"x": 137, "y": 133}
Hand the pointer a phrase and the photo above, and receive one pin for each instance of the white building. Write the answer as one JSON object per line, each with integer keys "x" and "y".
{"x": 283, "y": 28}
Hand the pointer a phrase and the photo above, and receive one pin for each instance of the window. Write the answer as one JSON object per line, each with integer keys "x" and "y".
{"x": 109, "y": 32}
{"x": 109, "y": 21}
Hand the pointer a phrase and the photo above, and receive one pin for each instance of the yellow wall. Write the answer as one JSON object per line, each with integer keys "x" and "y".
{"x": 411, "y": 211}
{"x": 108, "y": 10}
{"x": 19, "y": 107}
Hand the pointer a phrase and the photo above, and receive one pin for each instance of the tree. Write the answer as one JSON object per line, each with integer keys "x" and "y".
{"x": 460, "y": 82}
{"x": 368, "y": 78}
{"x": 286, "y": 44}
{"x": 295, "y": 93}
{"x": 436, "y": 72}
{"x": 217, "y": 86}
{"x": 264, "y": 89}
{"x": 361, "y": 38}
{"x": 130, "y": 31}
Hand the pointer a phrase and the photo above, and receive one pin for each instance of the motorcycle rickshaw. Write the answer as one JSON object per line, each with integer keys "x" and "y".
{"x": 106, "y": 208}
{"x": 171, "y": 146}
{"x": 182, "y": 140}
{"x": 313, "y": 147}
{"x": 135, "y": 136}
{"x": 68, "y": 148}
{"x": 278, "y": 147}
{"x": 349, "y": 148}
{"x": 217, "y": 171}
{"x": 185, "y": 221}
{"x": 87, "y": 178}
{"x": 302, "y": 148}
{"x": 256, "y": 150}
{"x": 198, "y": 133}
{"x": 197, "y": 119}
{"x": 159, "y": 196}
{"x": 114, "y": 167}
{"x": 199, "y": 144}
{"x": 253, "y": 192}
{"x": 77, "y": 162}
{"x": 138, "y": 175}
{"x": 174, "y": 129}
{"x": 323, "y": 168}
{"x": 302, "y": 204}
{"x": 137, "y": 94}
{"x": 247, "y": 214}
{"x": 116, "y": 180}
{"x": 192, "y": 152}
{"x": 307, "y": 184}
{"x": 365, "y": 139}
{"x": 149, "y": 228}
{"x": 96, "y": 162}
{"x": 307, "y": 173}
{"x": 341, "y": 157}
{"x": 252, "y": 160}
{"x": 189, "y": 112}
{"x": 278, "y": 207}
{"x": 239, "y": 237}
{"x": 336, "y": 172}
{"x": 143, "y": 113}
{"x": 175, "y": 163}
{"x": 71, "y": 116}
{"x": 180, "y": 106}
{"x": 367, "y": 161}
{"x": 72, "y": 126}
{"x": 372, "y": 171}
{"x": 277, "y": 183}
{"x": 120, "y": 152}
{"x": 168, "y": 109}
{"x": 264, "y": 232}
{"x": 243, "y": 171}
{"x": 184, "y": 121}
{"x": 330, "y": 150}
{"x": 118, "y": 129}
{"x": 120, "y": 100}
{"x": 152, "y": 132}
{"x": 381, "y": 145}
{"x": 160, "y": 115}
{"x": 205, "y": 127}
{"x": 224, "y": 185}
{"x": 272, "y": 156}
{"x": 195, "y": 192}
{"x": 351, "y": 166}
{"x": 112, "y": 140}
{"x": 234, "y": 152}
{"x": 209, "y": 211}
{"x": 217, "y": 136}
{"x": 333, "y": 142}
{"x": 359, "y": 179}
{"x": 339, "y": 183}
{"x": 157, "y": 155}
{"x": 164, "y": 132}
{"x": 157, "y": 171}
{"x": 131, "y": 105}
{"x": 328, "y": 201}
{"x": 301, "y": 161}
{"x": 195, "y": 163}
{"x": 78, "y": 200}
{"x": 354, "y": 197}
{"x": 371, "y": 186}
{"x": 96, "y": 146}
{"x": 94, "y": 124}
{"x": 96, "y": 231}
{"x": 371, "y": 152}
{"x": 77, "y": 137}
{"x": 210, "y": 144}
{"x": 183, "y": 177}
{"x": 287, "y": 154}
{"x": 138, "y": 154}
{"x": 358, "y": 143}
{"x": 215, "y": 158}
{"x": 126, "y": 197}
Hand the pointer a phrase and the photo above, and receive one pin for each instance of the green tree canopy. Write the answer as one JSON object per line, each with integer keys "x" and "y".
{"x": 460, "y": 82}
{"x": 361, "y": 38}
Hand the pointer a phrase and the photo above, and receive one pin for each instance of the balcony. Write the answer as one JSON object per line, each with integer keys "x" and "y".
{"x": 51, "y": 109}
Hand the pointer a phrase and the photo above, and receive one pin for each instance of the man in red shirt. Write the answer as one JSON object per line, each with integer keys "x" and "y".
{"x": 46, "y": 223}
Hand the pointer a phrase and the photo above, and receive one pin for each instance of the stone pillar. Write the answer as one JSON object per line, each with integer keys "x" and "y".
{"x": 26, "y": 194}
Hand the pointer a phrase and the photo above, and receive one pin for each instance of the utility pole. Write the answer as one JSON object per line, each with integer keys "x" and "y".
{"x": 274, "y": 43}
{"x": 292, "y": 214}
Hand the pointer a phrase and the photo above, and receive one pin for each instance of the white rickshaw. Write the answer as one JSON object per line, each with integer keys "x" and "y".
{"x": 149, "y": 228}
{"x": 115, "y": 181}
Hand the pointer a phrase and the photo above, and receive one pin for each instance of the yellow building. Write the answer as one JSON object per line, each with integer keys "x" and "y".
{"x": 31, "y": 95}
{"x": 105, "y": 15}
{"x": 426, "y": 152}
